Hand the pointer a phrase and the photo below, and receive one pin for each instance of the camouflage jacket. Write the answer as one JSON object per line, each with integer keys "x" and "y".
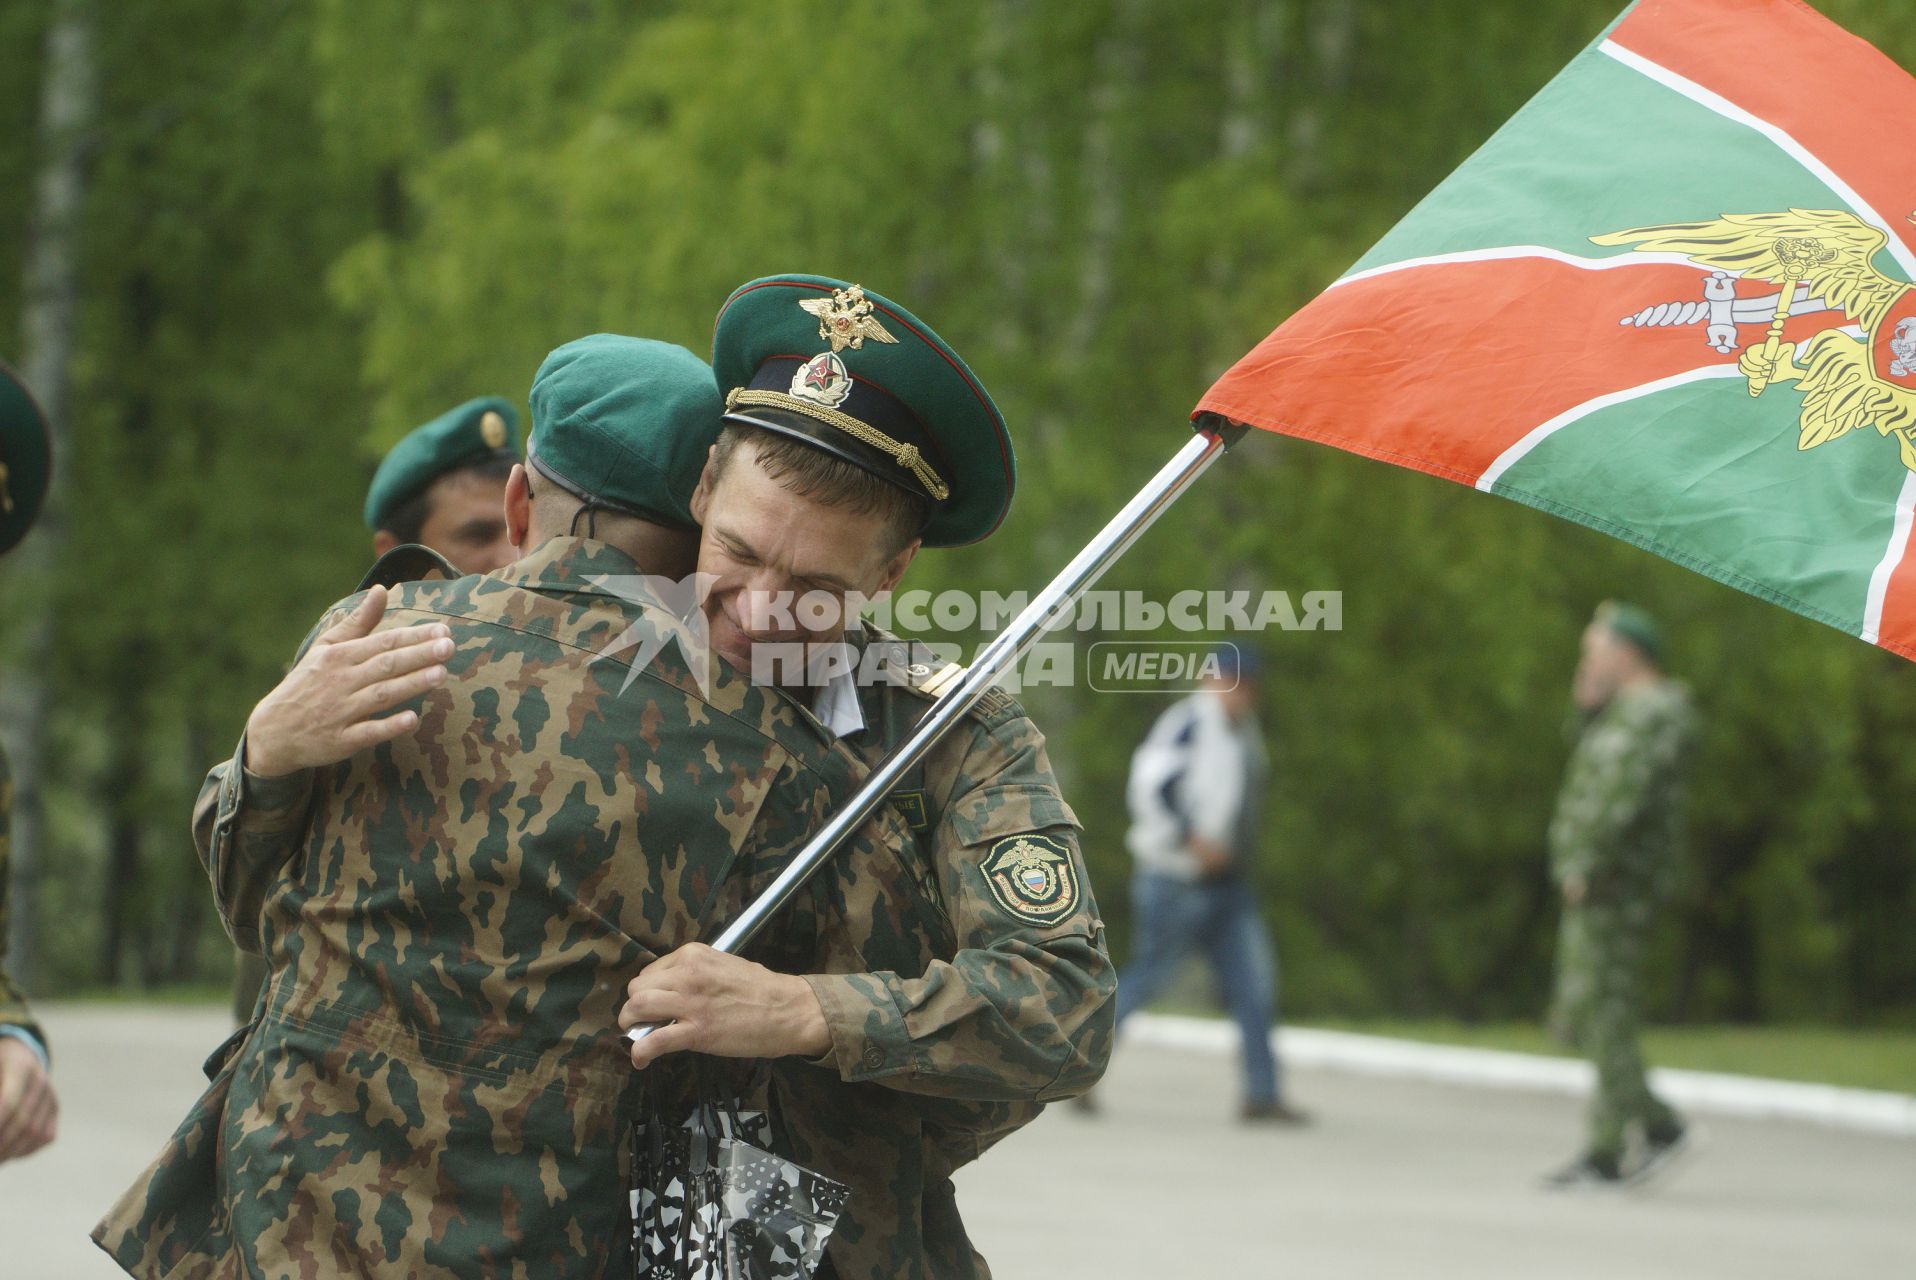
{"x": 965, "y": 982}
{"x": 437, "y": 1086}
{"x": 1619, "y": 819}
{"x": 13, "y": 1004}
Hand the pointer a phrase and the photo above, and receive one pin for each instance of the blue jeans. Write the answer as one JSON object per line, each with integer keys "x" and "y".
{"x": 1176, "y": 917}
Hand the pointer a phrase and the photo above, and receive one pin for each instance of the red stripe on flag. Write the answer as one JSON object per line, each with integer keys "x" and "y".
{"x": 1443, "y": 367}
{"x": 1786, "y": 64}
{"x": 1896, "y": 628}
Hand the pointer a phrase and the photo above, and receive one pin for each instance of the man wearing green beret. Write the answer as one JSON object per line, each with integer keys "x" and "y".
{"x": 442, "y": 487}
{"x": 1616, "y": 846}
{"x": 436, "y": 1085}
{"x": 953, "y": 992}
{"x": 29, "y": 1111}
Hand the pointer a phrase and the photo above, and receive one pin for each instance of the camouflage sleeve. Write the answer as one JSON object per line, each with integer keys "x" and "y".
{"x": 1613, "y": 772}
{"x": 247, "y": 827}
{"x": 13, "y": 1003}
{"x": 1022, "y": 1010}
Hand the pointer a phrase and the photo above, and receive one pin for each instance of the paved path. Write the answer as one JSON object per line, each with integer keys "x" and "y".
{"x": 1398, "y": 1179}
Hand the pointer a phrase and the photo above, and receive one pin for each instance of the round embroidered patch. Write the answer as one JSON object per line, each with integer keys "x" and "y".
{"x": 1032, "y": 876}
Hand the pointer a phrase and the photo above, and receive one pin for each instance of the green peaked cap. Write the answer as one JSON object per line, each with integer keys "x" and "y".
{"x": 478, "y": 429}
{"x": 26, "y": 459}
{"x": 855, "y": 374}
{"x": 626, "y": 423}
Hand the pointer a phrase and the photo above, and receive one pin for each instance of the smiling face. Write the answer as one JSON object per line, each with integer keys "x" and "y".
{"x": 767, "y": 548}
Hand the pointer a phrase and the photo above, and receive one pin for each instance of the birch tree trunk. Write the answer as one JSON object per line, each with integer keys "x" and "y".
{"x": 47, "y": 330}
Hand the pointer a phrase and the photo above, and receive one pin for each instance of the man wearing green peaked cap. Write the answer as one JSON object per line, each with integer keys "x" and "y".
{"x": 435, "y": 1084}
{"x": 952, "y": 992}
{"x": 29, "y": 1112}
{"x": 443, "y": 486}
{"x": 862, "y": 380}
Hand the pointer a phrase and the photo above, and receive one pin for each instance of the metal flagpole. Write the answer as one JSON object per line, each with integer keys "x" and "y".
{"x": 1213, "y": 436}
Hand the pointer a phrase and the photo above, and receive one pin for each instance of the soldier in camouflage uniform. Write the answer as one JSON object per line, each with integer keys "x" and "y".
{"x": 959, "y": 986}
{"x": 1616, "y": 844}
{"x": 29, "y": 1111}
{"x": 436, "y": 1086}
{"x": 443, "y": 487}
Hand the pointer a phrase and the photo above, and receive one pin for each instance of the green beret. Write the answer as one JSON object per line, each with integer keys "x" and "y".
{"x": 625, "y": 423}
{"x": 26, "y": 459}
{"x": 1634, "y": 625}
{"x": 477, "y": 430}
{"x": 857, "y": 375}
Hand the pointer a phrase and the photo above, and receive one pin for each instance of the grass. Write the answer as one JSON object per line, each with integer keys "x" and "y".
{"x": 220, "y": 993}
{"x": 1863, "y": 1059}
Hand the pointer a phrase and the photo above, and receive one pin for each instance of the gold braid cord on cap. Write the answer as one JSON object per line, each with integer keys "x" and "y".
{"x": 907, "y": 455}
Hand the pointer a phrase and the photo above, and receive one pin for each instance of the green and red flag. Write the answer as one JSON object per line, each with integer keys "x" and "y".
{"x": 1670, "y": 299}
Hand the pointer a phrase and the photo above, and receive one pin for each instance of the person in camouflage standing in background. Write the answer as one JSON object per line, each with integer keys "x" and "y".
{"x": 29, "y": 1111}
{"x": 1616, "y": 843}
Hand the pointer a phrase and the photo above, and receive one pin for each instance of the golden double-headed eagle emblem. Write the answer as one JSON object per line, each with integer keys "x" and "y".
{"x": 1862, "y": 374}
{"x": 845, "y": 319}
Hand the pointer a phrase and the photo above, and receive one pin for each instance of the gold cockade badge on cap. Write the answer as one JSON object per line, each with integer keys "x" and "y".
{"x": 845, "y": 319}
{"x": 823, "y": 380}
{"x": 492, "y": 429}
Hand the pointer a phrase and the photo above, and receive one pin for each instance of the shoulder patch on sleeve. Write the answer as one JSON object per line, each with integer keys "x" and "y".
{"x": 1032, "y": 876}
{"x": 912, "y": 808}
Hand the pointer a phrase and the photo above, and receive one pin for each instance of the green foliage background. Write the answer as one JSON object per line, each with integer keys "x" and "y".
{"x": 314, "y": 225}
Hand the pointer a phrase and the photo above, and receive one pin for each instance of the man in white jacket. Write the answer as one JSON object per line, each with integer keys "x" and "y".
{"x": 1194, "y": 794}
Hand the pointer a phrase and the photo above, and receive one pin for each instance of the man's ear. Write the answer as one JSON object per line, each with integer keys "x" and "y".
{"x": 383, "y": 541}
{"x": 708, "y": 480}
{"x": 518, "y": 507}
{"x": 895, "y": 568}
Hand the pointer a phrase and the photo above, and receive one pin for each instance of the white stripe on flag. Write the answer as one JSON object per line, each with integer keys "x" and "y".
{"x": 1892, "y": 556}
{"x": 1501, "y": 253}
{"x": 1537, "y": 435}
{"x": 1803, "y": 156}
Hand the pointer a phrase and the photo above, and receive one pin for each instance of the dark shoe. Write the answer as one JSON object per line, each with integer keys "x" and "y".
{"x": 1273, "y": 1113}
{"x": 1597, "y": 1171}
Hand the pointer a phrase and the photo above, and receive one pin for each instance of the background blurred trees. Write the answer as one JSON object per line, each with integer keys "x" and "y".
{"x": 312, "y": 226}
